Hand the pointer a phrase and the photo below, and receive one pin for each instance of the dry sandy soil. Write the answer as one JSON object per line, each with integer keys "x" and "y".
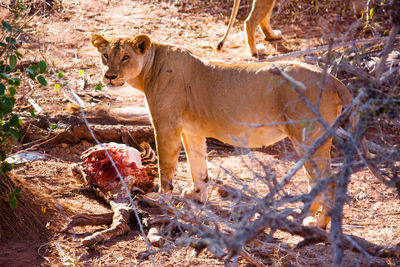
{"x": 372, "y": 212}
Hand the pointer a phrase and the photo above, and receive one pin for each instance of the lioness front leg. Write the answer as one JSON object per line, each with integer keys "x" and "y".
{"x": 195, "y": 147}
{"x": 250, "y": 27}
{"x": 260, "y": 15}
{"x": 168, "y": 147}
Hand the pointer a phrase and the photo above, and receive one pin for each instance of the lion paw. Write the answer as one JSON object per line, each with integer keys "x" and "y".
{"x": 310, "y": 221}
{"x": 196, "y": 192}
{"x": 274, "y": 35}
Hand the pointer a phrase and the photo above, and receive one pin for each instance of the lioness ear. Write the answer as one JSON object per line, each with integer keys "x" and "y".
{"x": 141, "y": 43}
{"x": 99, "y": 41}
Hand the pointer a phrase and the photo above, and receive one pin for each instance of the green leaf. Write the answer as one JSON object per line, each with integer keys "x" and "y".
{"x": 14, "y": 133}
{"x": 42, "y": 66}
{"x": 6, "y": 128}
{"x": 32, "y": 72}
{"x": 2, "y": 155}
{"x": 81, "y": 72}
{"x": 60, "y": 74}
{"x": 10, "y": 40}
{"x": 33, "y": 113}
{"x": 42, "y": 80}
{"x": 2, "y": 67}
{"x": 21, "y": 5}
{"x": 17, "y": 82}
{"x": 99, "y": 86}
{"x": 56, "y": 86}
{"x": 52, "y": 126}
{"x": 18, "y": 54}
{"x": 6, "y": 167}
{"x": 13, "y": 61}
{"x": 15, "y": 121}
{"x": 17, "y": 191}
{"x": 6, "y": 102}
{"x": 6, "y": 25}
{"x": 12, "y": 91}
{"x": 12, "y": 200}
{"x": 2, "y": 89}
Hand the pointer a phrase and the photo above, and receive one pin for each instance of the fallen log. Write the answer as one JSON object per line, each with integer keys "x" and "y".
{"x": 71, "y": 129}
{"x": 130, "y": 126}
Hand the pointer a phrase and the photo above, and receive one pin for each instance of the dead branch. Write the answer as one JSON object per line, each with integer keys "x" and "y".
{"x": 388, "y": 48}
{"x": 313, "y": 235}
{"x": 325, "y": 48}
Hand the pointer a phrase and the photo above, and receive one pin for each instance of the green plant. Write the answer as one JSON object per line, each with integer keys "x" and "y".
{"x": 11, "y": 78}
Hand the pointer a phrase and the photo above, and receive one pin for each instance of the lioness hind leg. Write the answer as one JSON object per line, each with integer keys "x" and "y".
{"x": 269, "y": 33}
{"x": 195, "y": 147}
{"x": 265, "y": 25}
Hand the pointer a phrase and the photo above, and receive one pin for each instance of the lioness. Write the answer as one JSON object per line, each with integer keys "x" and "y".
{"x": 260, "y": 14}
{"x": 242, "y": 104}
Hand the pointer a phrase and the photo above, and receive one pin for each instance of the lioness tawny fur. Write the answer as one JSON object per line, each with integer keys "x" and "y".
{"x": 242, "y": 104}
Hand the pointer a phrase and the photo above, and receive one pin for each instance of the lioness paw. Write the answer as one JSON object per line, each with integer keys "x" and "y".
{"x": 196, "y": 192}
{"x": 310, "y": 221}
{"x": 274, "y": 35}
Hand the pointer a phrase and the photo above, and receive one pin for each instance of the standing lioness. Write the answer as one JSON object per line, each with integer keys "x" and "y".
{"x": 241, "y": 104}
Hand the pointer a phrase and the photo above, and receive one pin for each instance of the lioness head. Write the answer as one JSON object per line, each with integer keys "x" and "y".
{"x": 122, "y": 57}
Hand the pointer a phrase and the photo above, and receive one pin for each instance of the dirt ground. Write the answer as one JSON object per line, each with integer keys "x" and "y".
{"x": 372, "y": 211}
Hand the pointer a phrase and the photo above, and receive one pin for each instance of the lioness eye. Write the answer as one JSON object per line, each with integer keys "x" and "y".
{"x": 105, "y": 56}
{"x": 125, "y": 58}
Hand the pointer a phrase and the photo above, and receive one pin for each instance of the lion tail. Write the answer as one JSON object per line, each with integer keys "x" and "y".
{"x": 231, "y": 20}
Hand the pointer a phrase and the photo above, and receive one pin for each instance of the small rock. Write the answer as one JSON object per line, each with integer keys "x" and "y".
{"x": 155, "y": 238}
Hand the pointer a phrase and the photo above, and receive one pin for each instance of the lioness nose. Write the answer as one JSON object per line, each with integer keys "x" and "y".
{"x": 111, "y": 76}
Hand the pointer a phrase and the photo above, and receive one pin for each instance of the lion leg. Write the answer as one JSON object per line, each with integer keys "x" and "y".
{"x": 317, "y": 167}
{"x": 168, "y": 147}
{"x": 324, "y": 200}
{"x": 253, "y": 20}
{"x": 268, "y": 32}
{"x": 196, "y": 151}
{"x": 265, "y": 23}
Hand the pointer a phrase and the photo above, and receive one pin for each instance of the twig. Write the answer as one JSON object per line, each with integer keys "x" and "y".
{"x": 251, "y": 259}
{"x": 388, "y": 48}
{"x": 40, "y": 254}
{"x": 41, "y": 143}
